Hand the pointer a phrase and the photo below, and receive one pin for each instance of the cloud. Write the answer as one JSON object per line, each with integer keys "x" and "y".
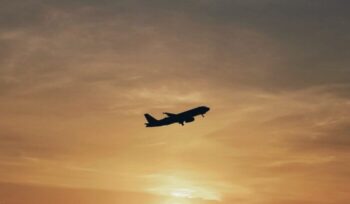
{"x": 76, "y": 77}
{"x": 239, "y": 49}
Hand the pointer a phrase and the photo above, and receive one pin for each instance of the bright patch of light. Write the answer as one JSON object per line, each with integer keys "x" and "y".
{"x": 182, "y": 190}
{"x": 182, "y": 193}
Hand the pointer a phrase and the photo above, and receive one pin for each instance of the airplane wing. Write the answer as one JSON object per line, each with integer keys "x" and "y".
{"x": 170, "y": 114}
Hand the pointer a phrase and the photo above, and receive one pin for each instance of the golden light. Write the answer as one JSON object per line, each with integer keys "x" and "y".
{"x": 182, "y": 193}
{"x": 182, "y": 189}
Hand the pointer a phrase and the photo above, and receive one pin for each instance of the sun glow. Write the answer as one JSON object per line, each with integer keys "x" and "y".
{"x": 182, "y": 193}
{"x": 177, "y": 187}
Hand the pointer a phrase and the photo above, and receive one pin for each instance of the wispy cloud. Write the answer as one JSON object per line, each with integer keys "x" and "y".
{"x": 77, "y": 77}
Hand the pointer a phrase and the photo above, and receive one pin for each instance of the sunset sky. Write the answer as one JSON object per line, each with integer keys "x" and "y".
{"x": 76, "y": 77}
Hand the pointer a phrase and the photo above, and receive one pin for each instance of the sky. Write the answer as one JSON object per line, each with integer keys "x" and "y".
{"x": 76, "y": 78}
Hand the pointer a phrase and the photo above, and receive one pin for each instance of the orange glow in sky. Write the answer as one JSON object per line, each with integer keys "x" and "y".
{"x": 77, "y": 77}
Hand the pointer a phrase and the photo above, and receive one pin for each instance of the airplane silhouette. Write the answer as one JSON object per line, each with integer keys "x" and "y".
{"x": 181, "y": 118}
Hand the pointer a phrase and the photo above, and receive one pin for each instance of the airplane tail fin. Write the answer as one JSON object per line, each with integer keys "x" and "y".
{"x": 150, "y": 119}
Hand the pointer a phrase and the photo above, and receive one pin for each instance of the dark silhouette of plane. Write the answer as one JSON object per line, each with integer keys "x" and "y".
{"x": 181, "y": 118}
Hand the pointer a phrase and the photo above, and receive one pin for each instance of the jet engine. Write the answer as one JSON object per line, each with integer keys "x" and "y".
{"x": 188, "y": 120}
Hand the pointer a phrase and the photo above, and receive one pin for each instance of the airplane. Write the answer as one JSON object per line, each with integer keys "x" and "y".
{"x": 181, "y": 118}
